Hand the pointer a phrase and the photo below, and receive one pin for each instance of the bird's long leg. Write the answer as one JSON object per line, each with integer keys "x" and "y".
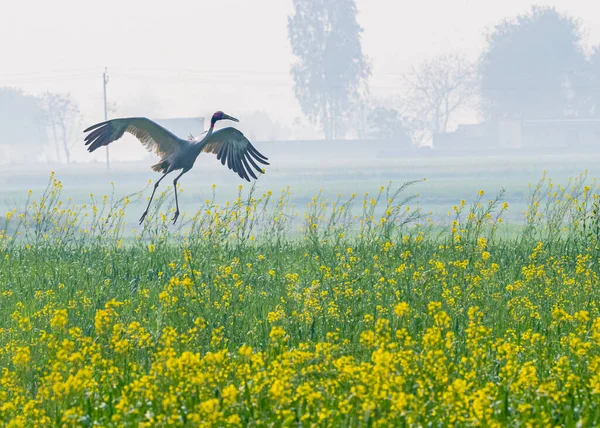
{"x": 176, "y": 216}
{"x": 151, "y": 197}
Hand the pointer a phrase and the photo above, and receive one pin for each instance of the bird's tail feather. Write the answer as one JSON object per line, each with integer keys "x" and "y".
{"x": 162, "y": 166}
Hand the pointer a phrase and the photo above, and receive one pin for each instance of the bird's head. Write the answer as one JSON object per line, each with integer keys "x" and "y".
{"x": 220, "y": 116}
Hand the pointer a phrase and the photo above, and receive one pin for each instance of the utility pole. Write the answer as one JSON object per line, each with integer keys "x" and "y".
{"x": 105, "y": 82}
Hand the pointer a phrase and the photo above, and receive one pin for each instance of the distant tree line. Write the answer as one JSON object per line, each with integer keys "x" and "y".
{"x": 533, "y": 67}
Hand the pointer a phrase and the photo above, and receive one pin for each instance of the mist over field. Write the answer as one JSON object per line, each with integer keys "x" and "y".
{"x": 448, "y": 179}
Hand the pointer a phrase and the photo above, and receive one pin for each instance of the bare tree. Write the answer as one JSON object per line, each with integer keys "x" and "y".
{"x": 437, "y": 89}
{"x": 63, "y": 117}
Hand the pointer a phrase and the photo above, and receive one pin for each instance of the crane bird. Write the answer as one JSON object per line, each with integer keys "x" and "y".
{"x": 229, "y": 144}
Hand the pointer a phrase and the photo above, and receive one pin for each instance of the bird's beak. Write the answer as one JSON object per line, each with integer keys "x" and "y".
{"x": 226, "y": 116}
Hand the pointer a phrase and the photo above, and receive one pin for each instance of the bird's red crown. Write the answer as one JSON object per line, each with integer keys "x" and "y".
{"x": 217, "y": 116}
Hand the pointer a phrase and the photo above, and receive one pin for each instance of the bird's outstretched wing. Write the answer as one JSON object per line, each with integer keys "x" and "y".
{"x": 153, "y": 136}
{"x": 231, "y": 146}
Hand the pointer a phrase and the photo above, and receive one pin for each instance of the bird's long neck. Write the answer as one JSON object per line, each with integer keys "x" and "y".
{"x": 210, "y": 131}
{"x": 197, "y": 146}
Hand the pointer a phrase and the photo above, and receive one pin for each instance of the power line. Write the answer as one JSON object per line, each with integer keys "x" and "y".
{"x": 176, "y": 76}
{"x": 45, "y": 73}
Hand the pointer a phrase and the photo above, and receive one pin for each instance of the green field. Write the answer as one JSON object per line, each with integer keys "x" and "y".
{"x": 281, "y": 309}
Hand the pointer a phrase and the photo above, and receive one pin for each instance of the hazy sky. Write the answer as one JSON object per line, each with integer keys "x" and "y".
{"x": 192, "y": 57}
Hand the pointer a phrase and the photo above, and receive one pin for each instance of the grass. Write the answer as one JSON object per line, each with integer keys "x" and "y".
{"x": 357, "y": 311}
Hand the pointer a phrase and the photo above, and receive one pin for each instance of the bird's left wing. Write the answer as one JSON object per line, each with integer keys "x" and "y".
{"x": 231, "y": 146}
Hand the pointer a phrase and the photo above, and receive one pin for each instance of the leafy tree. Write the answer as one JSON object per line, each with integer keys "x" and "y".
{"x": 386, "y": 124}
{"x": 439, "y": 88}
{"x": 64, "y": 118}
{"x": 529, "y": 65}
{"x": 331, "y": 72}
{"x": 587, "y": 88}
{"x": 22, "y": 127}
{"x": 594, "y": 82}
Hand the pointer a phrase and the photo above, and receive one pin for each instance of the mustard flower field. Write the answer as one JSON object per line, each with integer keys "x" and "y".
{"x": 355, "y": 312}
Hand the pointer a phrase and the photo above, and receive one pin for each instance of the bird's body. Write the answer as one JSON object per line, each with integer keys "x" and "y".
{"x": 181, "y": 159}
{"x": 229, "y": 144}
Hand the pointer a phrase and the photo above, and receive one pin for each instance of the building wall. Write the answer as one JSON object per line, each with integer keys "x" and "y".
{"x": 526, "y": 134}
{"x": 183, "y": 126}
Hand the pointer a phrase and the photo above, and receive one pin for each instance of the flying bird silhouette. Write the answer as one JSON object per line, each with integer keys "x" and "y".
{"x": 229, "y": 144}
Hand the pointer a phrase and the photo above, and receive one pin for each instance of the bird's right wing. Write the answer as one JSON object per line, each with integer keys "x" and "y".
{"x": 153, "y": 136}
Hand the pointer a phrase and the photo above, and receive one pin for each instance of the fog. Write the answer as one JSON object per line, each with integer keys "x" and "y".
{"x": 470, "y": 95}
